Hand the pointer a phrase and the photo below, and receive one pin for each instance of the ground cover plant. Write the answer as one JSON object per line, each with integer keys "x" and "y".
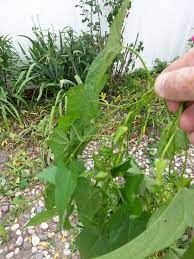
{"x": 138, "y": 216}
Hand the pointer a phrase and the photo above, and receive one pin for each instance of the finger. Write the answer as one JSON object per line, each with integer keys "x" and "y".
{"x": 187, "y": 119}
{"x": 186, "y": 61}
{"x": 191, "y": 138}
{"x": 173, "y": 106}
{"x": 177, "y": 85}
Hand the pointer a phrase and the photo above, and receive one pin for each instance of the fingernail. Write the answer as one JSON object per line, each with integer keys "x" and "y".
{"x": 160, "y": 85}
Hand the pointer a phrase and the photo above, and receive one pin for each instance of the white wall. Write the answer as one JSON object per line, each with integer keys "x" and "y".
{"x": 164, "y": 25}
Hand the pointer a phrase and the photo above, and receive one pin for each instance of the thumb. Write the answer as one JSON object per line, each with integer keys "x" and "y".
{"x": 176, "y": 85}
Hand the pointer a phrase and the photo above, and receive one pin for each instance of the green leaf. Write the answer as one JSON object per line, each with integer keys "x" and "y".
{"x": 48, "y": 174}
{"x": 160, "y": 165}
{"x": 50, "y": 197}
{"x": 89, "y": 201}
{"x": 168, "y": 228}
{"x": 91, "y": 244}
{"x": 121, "y": 169}
{"x": 41, "y": 217}
{"x": 94, "y": 80}
{"x": 172, "y": 255}
{"x": 189, "y": 254}
{"x": 66, "y": 182}
{"x": 164, "y": 139}
{"x": 135, "y": 169}
{"x": 181, "y": 140}
{"x": 121, "y": 131}
{"x": 117, "y": 227}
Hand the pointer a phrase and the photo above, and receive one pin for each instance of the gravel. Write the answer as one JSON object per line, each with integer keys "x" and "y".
{"x": 19, "y": 241}
{"x": 15, "y": 227}
{"x": 35, "y": 240}
{"x": 41, "y": 241}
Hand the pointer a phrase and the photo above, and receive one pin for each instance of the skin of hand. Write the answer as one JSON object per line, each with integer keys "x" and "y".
{"x": 176, "y": 85}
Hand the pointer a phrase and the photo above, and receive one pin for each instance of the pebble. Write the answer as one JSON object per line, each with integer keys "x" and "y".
{"x": 67, "y": 252}
{"x": 188, "y": 171}
{"x": 27, "y": 245}
{"x": 5, "y": 208}
{"x": 39, "y": 209}
{"x": 56, "y": 219}
{"x": 38, "y": 256}
{"x": 67, "y": 245}
{"x": 50, "y": 234}
{"x": 19, "y": 241}
{"x": 35, "y": 240}
{"x": 18, "y": 232}
{"x": 11, "y": 247}
{"x": 34, "y": 249}
{"x": 30, "y": 231}
{"x": 44, "y": 226}
{"x": 1, "y": 251}
{"x": 33, "y": 210}
{"x": 41, "y": 203}
{"x": 45, "y": 253}
{"x": 17, "y": 250}
{"x": 15, "y": 227}
{"x": 1, "y": 215}
{"x": 10, "y": 255}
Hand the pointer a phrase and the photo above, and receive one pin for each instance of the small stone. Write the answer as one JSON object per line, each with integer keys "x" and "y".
{"x": 48, "y": 256}
{"x": 18, "y": 232}
{"x": 5, "y": 208}
{"x": 67, "y": 252}
{"x": 10, "y": 255}
{"x": 38, "y": 256}
{"x": 45, "y": 253}
{"x": 27, "y": 245}
{"x": 30, "y": 231}
{"x": 44, "y": 226}
{"x": 41, "y": 203}
{"x": 1, "y": 251}
{"x": 15, "y": 227}
{"x": 1, "y": 215}
{"x": 39, "y": 209}
{"x": 34, "y": 249}
{"x": 17, "y": 250}
{"x": 26, "y": 216}
{"x": 188, "y": 171}
{"x": 67, "y": 245}
{"x": 5, "y": 249}
{"x": 11, "y": 247}
{"x": 56, "y": 219}
{"x": 19, "y": 241}
{"x": 50, "y": 234}
{"x": 64, "y": 233}
{"x": 33, "y": 210}
{"x": 35, "y": 240}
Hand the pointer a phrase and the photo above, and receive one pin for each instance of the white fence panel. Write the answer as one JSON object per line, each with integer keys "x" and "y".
{"x": 164, "y": 25}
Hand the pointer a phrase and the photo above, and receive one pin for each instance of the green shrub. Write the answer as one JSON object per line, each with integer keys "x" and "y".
{"x": 8, "y": 68}
{"x": 132, "y": 218}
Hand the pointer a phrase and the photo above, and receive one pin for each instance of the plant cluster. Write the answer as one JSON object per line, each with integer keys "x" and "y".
{"x": 122, "y": 213}
{"x": 54, "y": 62}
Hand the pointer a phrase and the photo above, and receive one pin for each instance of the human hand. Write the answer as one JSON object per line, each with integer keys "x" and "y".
{"x": 176, "y": 85}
